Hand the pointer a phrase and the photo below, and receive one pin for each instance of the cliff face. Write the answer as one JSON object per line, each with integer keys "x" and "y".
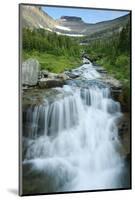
{"x": 35, "y": 17}
{"x": 71, "y": 18}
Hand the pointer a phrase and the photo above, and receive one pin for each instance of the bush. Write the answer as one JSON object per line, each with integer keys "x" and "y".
{"x": 122, "y": 61}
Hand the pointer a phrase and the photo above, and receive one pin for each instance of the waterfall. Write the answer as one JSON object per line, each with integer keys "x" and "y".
{"x": 52, "y": 119}
{"x": 74, "y": 141}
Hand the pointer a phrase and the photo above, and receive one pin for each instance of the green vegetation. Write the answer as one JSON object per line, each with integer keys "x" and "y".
{"x": 52, "y": 62}
{"x": 54, "y": 52}
{"x": 57, "y": 53}
{"x": 114, "y": 55}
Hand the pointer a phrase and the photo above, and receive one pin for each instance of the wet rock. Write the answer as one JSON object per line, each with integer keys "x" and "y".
{"x": 50, "y": 83}
{"x": 128, "y": 158}
{"x": 25, "y": 87}
{"x": 102, "y": 71}
{"x": 52, "y": 75}
{"x": 63, "y": 76}
{"x": 47, "y": 74}
{"x": 44, "y": 179}
{"x": 38, "y": 96}
{"x": 86, "y": 60}
{"x": 118, "y": 95}
{"x": 44, "y": 74}
{"x": 74, "y": 74}
{"x": 49, "y": 79}
{"x": 112, "y": 106}
{"x": 124, "y": 126}
{"x": 115, "y": 84}
{"x": 30, "y": 71}
{"x": 86, "y": 83}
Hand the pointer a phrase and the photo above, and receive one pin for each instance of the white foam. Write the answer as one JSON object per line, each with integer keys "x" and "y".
{"x": 83, "y": 155}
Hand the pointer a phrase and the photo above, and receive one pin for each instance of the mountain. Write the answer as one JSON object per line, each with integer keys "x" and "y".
{"x": 101, "y": 29}
{"x": 35, "y": 17}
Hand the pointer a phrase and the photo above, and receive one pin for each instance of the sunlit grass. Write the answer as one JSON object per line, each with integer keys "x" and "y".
{"x": 53, "y": 63}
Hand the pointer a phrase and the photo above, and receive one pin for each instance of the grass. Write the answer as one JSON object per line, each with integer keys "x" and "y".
{"x": 120, "y": 69}
{"x": 53, "y": 63}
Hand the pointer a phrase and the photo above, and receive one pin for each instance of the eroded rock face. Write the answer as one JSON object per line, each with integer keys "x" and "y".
{"x": 30, "y": 72}
{"x": 124, "y": 125}
{"x": 124, "y": 134}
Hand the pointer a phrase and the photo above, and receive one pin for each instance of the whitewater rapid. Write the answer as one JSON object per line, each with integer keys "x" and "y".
{"x": 73, "y": 141}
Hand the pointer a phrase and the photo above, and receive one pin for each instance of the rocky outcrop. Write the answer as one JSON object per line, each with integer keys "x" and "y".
{"x": 50, "y": 80}
{"x": 63, "y": 76}
{"x": 72, "y": 18}
{"x": 32, "y": 76}
{"x": 43, "y": 74}
{"x": 123, "y": 125}
{"x": 116, "y": 88}
{"x": 35, "y": 17}
{"x": 50, "y": 83}
{"x": 30, "y": 72}
{"x": 73, "y": 75}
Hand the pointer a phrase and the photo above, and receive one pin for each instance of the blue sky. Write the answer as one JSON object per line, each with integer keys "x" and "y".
{"x": 88, "y": 15}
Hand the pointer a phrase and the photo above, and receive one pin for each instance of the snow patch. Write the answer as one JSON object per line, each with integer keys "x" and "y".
{"x": 71, "y": 35}
{"x": 48, "y": 29}
{"x": 40, "y": 26}
{"x": 63, "y": 28}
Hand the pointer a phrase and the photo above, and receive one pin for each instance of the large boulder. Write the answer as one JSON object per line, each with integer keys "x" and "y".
{"x": 30, "y": 72}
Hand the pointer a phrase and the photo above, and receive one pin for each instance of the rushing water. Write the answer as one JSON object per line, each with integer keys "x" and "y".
{"x": 72, "y": 143}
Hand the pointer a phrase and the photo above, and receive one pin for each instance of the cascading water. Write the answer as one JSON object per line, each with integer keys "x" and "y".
{"x": 73, "y": 142}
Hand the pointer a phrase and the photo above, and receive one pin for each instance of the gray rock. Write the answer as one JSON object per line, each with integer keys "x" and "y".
{"x": 44, "y": 74}
{"x": 30, "y": 71}
{"x": 114, "y": 83}
{"x": 123, "y": 126}
{"x": 73, "y": 74}
{"x": 50, "y": 83}
{"x": 86, "y": 60}
{"x": 52, "y": 75}
{"x": 63, "y": 76}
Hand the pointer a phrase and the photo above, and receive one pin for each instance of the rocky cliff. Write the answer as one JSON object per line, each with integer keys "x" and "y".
{"x": 34, "y": 17}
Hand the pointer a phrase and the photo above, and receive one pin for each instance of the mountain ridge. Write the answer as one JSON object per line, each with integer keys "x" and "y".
{"x": 36, "y": 17}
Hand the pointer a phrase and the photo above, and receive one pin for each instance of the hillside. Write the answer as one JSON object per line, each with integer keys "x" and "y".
{"x": 106, "y": 43}
{"x": 35, "y": 17}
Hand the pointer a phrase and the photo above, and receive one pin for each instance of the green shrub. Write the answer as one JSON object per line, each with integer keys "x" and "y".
{"x": 122, "y": 61}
